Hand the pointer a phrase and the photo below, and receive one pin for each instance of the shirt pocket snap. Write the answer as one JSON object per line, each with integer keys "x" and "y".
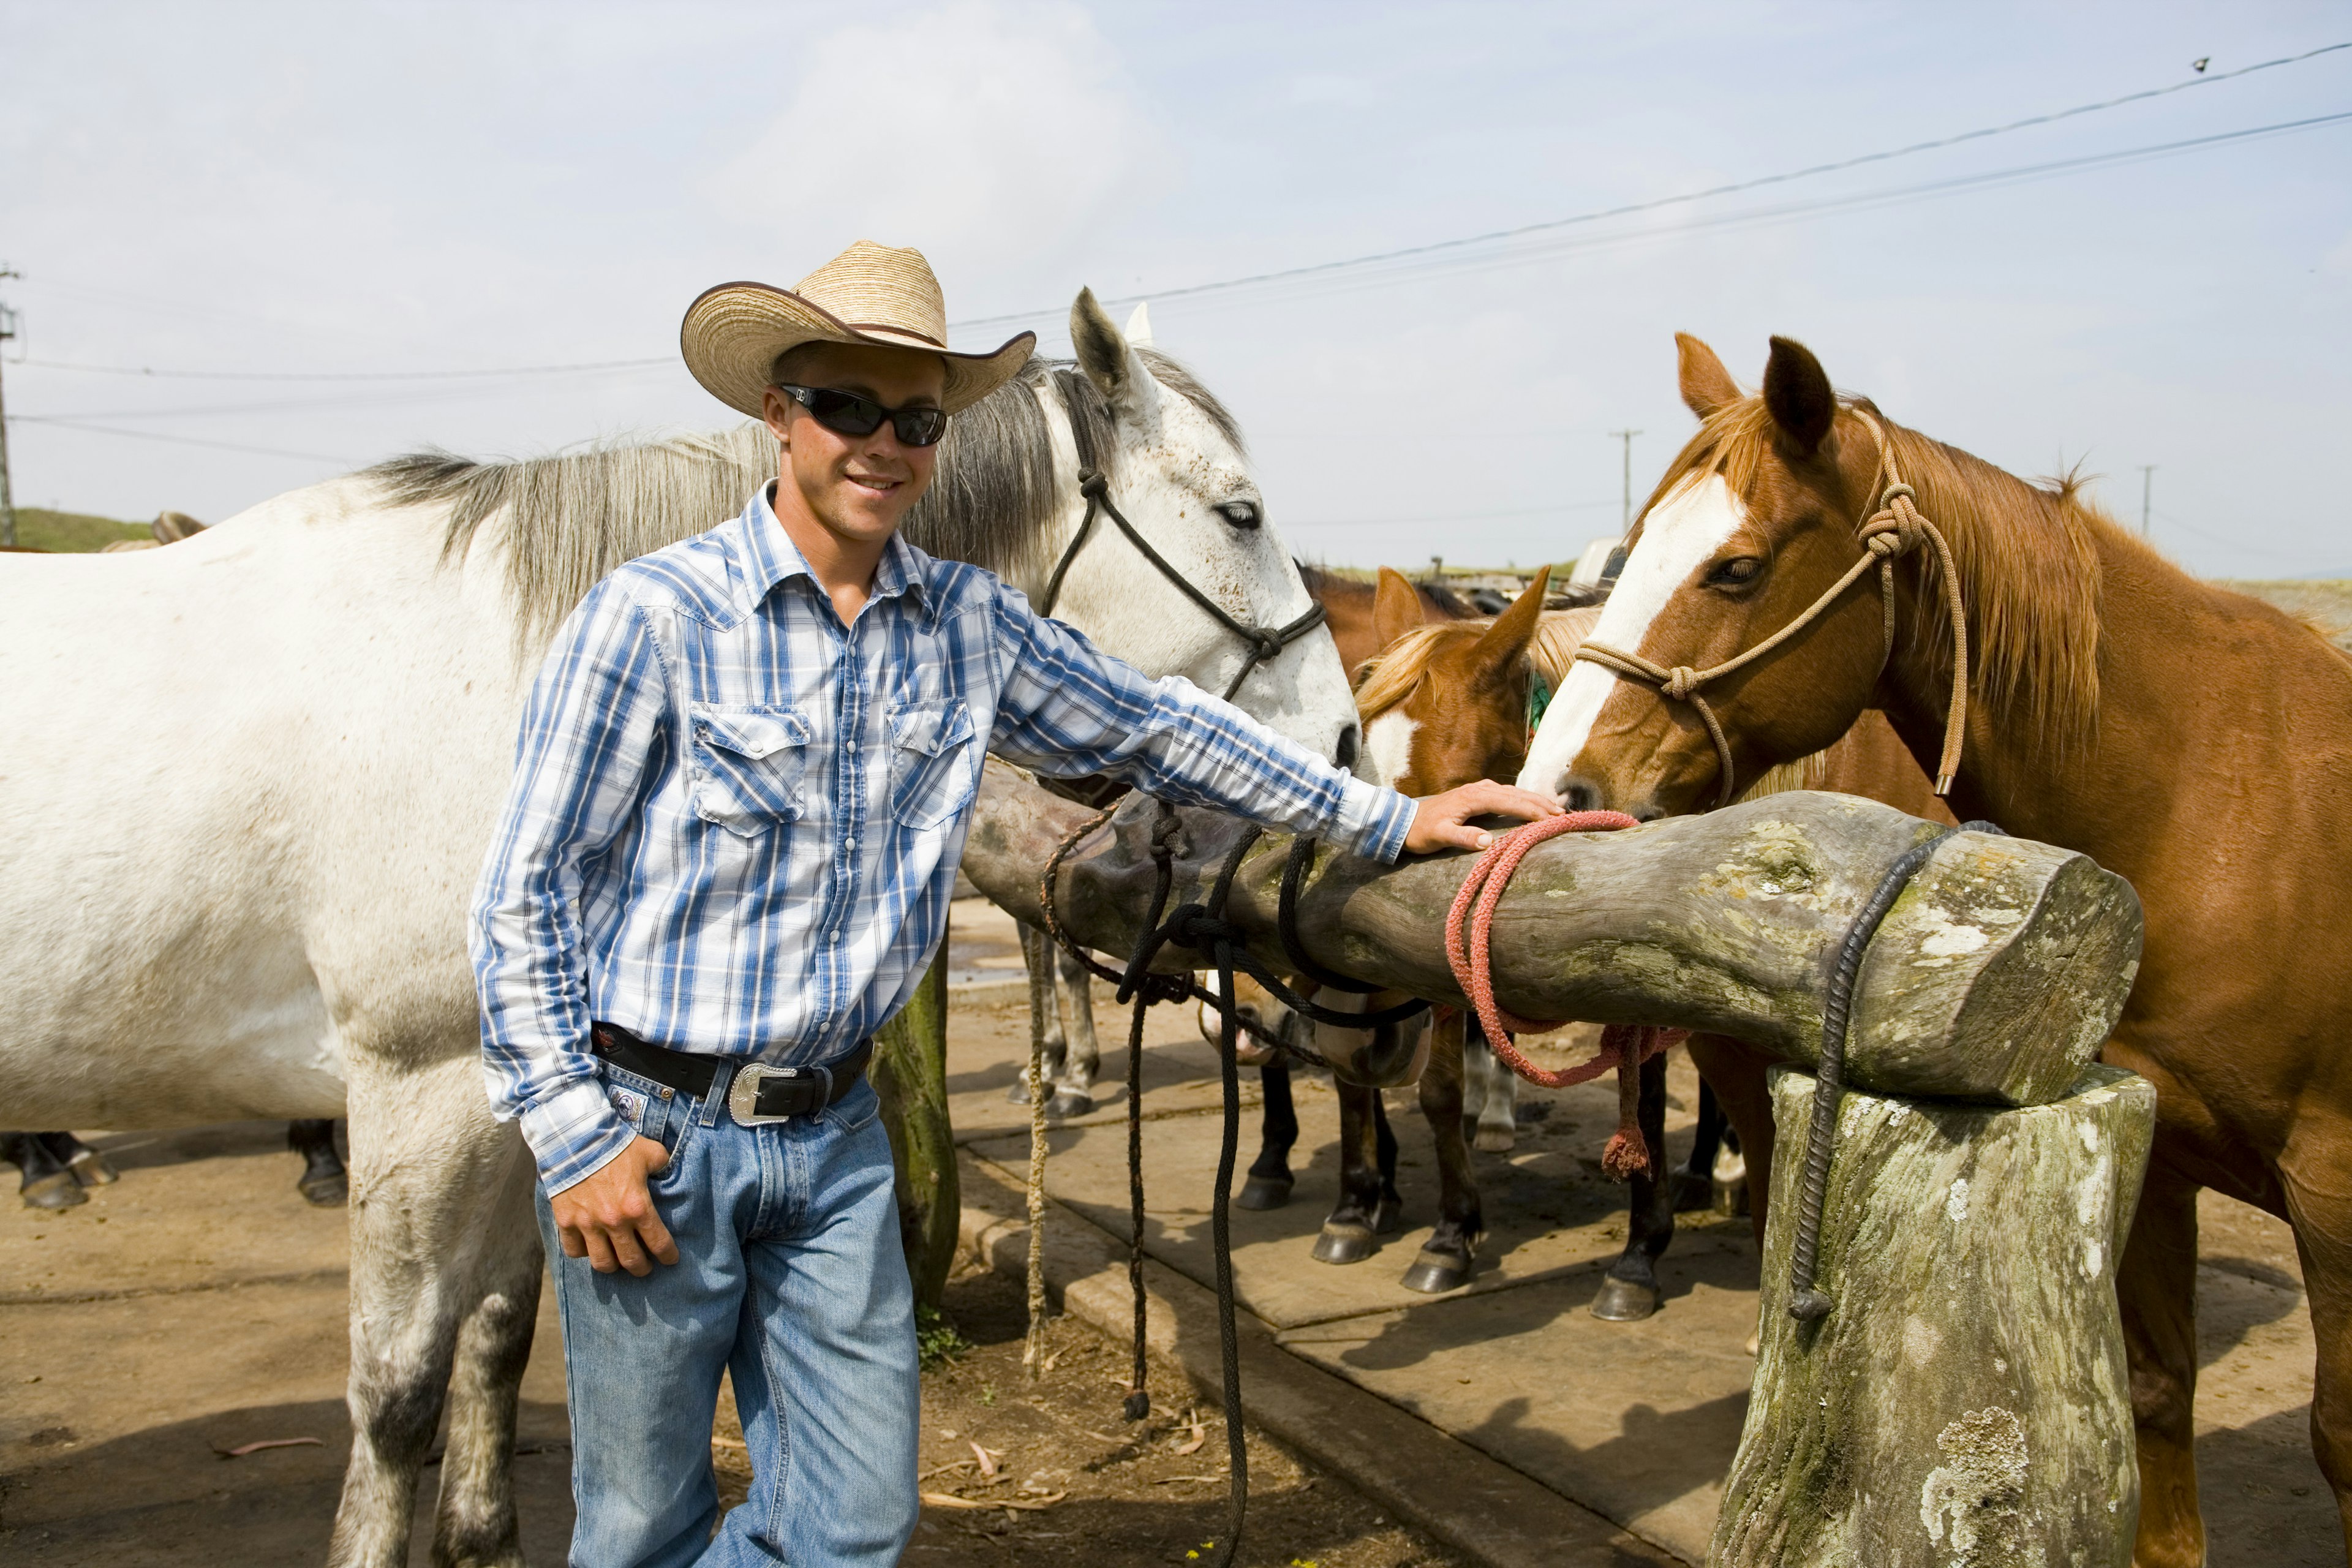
{"x": 751, "y": 766}
{"x": 934, "y": 761}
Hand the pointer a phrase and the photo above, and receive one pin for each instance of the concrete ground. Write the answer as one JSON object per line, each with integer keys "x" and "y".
{"x": 199, "y": 1305}
{"x": 1637, "y": 1422}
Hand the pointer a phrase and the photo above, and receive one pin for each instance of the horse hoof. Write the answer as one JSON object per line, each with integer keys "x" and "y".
{"x": 1068, "y": 1103}
{"x": 1434, "y": 1273}
{"x": 1019, "y": 1093}
{"x": 1730, "y": 1197}
{"x": 56, "y": 1190}
{"x": 1264, "y": 1193}
{"x": 1494, "y": 1140}
{"x": 1622, "y": 1302}
{"x": 1344, "y": 1243}
{"x": 1388, "y": 1217}
{"x": 325, "y": 1192}
{"x": 93, "y": 1169}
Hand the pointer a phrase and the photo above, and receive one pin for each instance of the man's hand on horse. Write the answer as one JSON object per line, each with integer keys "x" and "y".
{"x": 609, "y": 1218}
{"x": 1442, "y": 821}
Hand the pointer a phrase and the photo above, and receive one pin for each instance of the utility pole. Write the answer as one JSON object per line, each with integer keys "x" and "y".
{"x": 2146, "y": 491}
{"x": 8, "y": 330}
{"x": 1626, "y": 517}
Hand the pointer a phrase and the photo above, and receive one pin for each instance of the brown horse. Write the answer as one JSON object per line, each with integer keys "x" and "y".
{"x": 1443, "y": 704}
{"x": 2195, "y": 741}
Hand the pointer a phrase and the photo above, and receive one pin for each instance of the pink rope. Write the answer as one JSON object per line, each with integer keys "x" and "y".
{"x": 1469, "y": 942}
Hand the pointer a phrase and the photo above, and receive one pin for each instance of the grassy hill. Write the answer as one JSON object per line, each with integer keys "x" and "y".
{"x": 39, "y": 528}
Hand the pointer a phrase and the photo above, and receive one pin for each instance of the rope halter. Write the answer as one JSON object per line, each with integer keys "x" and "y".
{"x": 1887, "y": 535}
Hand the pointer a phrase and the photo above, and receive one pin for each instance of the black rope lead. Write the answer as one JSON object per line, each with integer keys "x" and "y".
{"x": 1806, "y": 1304}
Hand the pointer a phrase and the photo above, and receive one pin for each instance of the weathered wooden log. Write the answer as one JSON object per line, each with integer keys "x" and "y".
{"x": 1995, "y": 977}
{"x": 910, "y": 1071}
{"x": 1966, "y": 1400}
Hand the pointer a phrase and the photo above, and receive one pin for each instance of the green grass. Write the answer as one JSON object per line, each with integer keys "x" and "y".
{"x": 935, "y": 1340}
{"x": 40, "y": 529}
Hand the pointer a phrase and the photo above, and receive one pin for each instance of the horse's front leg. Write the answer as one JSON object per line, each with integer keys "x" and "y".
{"x": 323, "y": 1182}
{"x": 1350, "y": 1234}
{"x": 2156, "y": 1285}
{"x": 1490, "y": 1093}
{"x": 1452, "y": 1250}
{"x": 1082, "y": 1053}
{"x": 1270, "y": 1180}
{"x": 1630, "y": 1291}
{"x": 1037, "y": 955}
{"x": 446, "y": 1269}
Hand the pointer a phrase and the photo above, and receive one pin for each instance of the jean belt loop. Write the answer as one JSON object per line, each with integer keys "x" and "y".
{"x": 715, "y": 1101}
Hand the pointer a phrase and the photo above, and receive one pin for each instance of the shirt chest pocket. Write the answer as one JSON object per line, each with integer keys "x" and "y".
{"x": 935, "y": 755}
{"x": 751, "y": 766}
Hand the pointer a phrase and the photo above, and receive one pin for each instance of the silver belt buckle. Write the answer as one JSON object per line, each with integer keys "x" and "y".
{"x": 743, "y": 1094}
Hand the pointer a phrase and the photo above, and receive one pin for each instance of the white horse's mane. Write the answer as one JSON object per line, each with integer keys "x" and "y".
{"x": 572, "y": 517}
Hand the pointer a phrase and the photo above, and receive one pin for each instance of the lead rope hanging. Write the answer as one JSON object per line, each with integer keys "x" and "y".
{"x": 1806, "y": 1303}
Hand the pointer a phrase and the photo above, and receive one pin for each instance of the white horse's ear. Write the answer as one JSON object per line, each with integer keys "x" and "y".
{"x": 1139, "y": 325}
{"x": 1111, "y": 363}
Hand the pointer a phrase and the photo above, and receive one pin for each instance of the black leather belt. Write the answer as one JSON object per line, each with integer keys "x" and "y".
{"x": 759, "y": 1093}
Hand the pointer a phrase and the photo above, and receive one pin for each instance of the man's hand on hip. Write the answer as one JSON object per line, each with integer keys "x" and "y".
{"x": 1442, "y": 821}
{"x": 609, "y": 1219}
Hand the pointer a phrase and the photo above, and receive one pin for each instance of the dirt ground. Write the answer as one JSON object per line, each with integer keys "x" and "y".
{"x": 198, "y": 1305}
{"x": 1072, "y": 1484}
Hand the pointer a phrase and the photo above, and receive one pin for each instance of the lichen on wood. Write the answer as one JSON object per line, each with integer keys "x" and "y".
{"x": 1966, "y": 1402}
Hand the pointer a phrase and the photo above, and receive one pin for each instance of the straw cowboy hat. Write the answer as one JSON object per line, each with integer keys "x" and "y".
{"x": 869, "y": 294}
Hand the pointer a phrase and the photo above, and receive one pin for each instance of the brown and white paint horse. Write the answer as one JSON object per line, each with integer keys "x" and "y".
{"x": 2197, "y": 741}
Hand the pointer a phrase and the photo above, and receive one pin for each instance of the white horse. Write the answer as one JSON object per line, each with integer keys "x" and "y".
{"x": 327, "y": 688}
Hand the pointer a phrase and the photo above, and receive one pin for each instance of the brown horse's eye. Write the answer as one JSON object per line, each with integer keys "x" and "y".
{"x": 1735, "y": 573}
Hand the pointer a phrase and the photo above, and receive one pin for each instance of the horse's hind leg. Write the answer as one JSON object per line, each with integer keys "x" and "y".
{"x": 446, "y": 1268}
{"x": 89, "y": 1167}
{"x": 1452, "y": 1250}
{"x": 1629, "y": 1291}
{"x": 1037, "y": 954}
{"x": 323, "y": 1183}
{"x": 1270, "y": 1180}
{"x": 46, "y": 1182}
{"x": 1082, "y": 1054}
{"x": 1694, "y": 1182}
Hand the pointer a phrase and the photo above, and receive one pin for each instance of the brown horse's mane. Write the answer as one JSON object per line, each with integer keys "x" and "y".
{"x": 2027, "y": 553}
{"x": 1389, "y": 677}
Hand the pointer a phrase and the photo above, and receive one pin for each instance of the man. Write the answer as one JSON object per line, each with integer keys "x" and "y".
{"x": 739, "y": 798}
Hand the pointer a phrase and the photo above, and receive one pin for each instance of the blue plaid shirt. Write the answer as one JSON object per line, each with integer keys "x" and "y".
{"x": 735, "y": 822}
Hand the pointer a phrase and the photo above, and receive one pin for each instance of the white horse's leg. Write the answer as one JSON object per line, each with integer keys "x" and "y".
{"x": 446, "y": 1268}
{"x": 1497, "y": 1097}
{"x": 1037, "y": 954}
{"x": 1082, "y": 1056}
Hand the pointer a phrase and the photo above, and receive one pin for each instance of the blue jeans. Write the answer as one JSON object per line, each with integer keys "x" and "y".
{"x": 791, "y": 1277}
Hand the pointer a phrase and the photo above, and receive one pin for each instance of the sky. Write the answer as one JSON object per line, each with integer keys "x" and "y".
{"x": 372, "y": 192}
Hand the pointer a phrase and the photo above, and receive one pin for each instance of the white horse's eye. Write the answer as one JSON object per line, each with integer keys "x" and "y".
{"x": 1240, "y": 514}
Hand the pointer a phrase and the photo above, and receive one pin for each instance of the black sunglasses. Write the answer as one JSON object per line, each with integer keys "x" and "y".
{"x": 850, "y": 414}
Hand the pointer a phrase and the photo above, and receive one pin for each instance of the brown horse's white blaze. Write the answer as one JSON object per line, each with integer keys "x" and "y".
{"x": 2196, "y": 741}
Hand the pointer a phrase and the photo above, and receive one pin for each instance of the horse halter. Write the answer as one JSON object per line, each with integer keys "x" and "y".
{"x": 1887, "y": 535}
{"x": 1265, "y": 643}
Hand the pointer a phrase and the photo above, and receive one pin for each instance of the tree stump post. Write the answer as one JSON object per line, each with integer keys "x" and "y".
{"x": 1966, "y": 1402}
{"x": 911, "y": 1070}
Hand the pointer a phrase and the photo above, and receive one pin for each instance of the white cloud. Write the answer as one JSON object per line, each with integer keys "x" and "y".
{"x": 987, "y": 135}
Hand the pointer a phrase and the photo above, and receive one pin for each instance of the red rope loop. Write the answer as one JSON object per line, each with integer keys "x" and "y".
{"x": 1469, "y": 942}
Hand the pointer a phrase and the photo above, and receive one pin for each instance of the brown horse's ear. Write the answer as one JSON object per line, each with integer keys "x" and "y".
{"x": 1505, "y": 643}
{"x": 1707, "y": 386}
{"x": 1797, "y": 391}
{"x": 1396, "y": 607}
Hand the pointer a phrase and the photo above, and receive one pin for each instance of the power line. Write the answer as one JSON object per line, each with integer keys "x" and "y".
{"x": 1405, "y": 253}
{"x": 1630, "y": 208}
{"x": 178, "y": 440}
